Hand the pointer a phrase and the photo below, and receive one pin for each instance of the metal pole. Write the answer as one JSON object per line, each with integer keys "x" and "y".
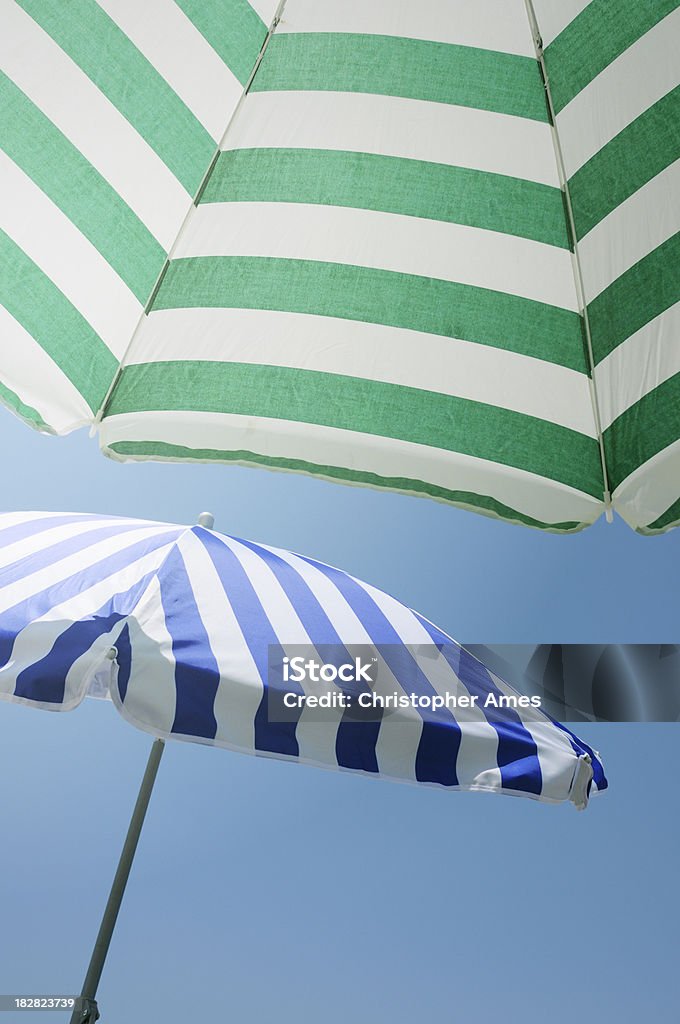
{"x": 86, "y": 1011}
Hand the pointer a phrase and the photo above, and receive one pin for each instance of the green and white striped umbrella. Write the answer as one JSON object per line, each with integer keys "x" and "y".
{"x": 430, "y": 246}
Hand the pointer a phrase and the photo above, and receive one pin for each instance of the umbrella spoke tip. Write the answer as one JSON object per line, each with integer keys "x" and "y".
{"x": 580, "y": 786}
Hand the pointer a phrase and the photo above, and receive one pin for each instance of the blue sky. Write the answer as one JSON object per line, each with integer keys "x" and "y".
{"x": 269, "y": 891}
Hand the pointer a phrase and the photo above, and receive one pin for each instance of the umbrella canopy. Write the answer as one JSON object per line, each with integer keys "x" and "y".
{"x": 191, "y": 631}
{"x": 431, "y": 247}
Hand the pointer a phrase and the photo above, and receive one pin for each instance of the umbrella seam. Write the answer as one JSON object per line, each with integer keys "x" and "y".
{"x": 576, "y": 261}
{"x": 101, "y": 412}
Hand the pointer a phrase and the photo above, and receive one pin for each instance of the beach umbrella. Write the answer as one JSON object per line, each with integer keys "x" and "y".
{"x": 208, "y": 638}
{"x": 431, "y": 247}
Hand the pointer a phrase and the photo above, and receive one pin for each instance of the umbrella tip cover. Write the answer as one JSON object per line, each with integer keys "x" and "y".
{"x": 206, "y": 519}
{"x": 580, "y": 786}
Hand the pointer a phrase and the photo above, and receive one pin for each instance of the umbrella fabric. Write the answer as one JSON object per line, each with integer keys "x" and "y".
{"x": 378, "y": 283}
{"x": 194, "y": 617}
{"x": 110, "y": 114}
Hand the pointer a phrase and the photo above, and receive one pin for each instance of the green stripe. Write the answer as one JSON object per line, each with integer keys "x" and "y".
{"x": 413, "y": 188}
{"x": 376, "y": 296}
{"x": 234, "y": 30}
{"x": 635, "y": 298}
{"x": 643, "y": 430}
{"x": 367, "y": 407}
{"x": 462, "y": 499}
{"x": 665, "y": 522}
{"x": 106, "y": 55}
{"x": 595, "y": 38}
{"x": 636, "y": 155}
{"x": 48, "y": 316}
{"x": 412, "y": 68}
{"x": 25, "y": 412}
{"x": 60, "y": 170}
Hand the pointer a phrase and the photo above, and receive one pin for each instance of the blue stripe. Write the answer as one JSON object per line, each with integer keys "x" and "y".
{"x": 77, "y": 542}
{"x": 274, "y": 737}
{"x": 197, "y": 674}
{"x": 21, "y": 615}
{"x": 124, "y": 661}
{"x": 45, "y": 680}
{"x": 355, "y": 740}
{"x": 34, "y": 527}
{"x": 440, "y": 737}
{"x": 517, "y": 754}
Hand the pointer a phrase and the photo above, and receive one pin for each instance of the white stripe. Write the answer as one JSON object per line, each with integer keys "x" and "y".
{"x": 555, "y": 753}
{"x": 90, "y": 121}
{"x": 556, "y": 757}
{"x": 638, "y": 365}
{"x": 240, "y": 689}
{"x": 532, "y": 495}
{"x": 488, "y": 24}
{"x": 393, "y": 126}
{"x": 354, "y": 348}
{"x": 397, "y": 745}
{"x": 38, "y": 381}
{"x": 370, "y": 238}
{"x": 476, "y": 764}
{"x": 265, "y": 9}
{"x": 315, "y": 734}
{"x": 639, "y": 77}
{"x": 553, "y": 16}
{"x": 650, "y": 489}
{"x": 151, "y": 695}
{"x": 12, "y": 550}
{"x": 37, "y": 639}
{"x": 42, "y": 579}
{"x": 10, "y": 519}
{"x": 163, "y": 33}
{"x": 51, "y": 536}
{"x": 92, "y": 671}
{"x": 632, "y": 231}
{"x": 71, "y": 262}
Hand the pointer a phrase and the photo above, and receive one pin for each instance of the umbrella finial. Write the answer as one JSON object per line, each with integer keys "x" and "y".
{"x": 206, "y": 519}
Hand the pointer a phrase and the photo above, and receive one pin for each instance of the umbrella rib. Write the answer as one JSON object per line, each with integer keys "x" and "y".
{"x": 576, "y": 260}
{"x": 101, "y": 412}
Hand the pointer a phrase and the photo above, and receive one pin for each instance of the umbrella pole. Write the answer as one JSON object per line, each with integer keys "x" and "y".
{"x": 86, "y": 1011}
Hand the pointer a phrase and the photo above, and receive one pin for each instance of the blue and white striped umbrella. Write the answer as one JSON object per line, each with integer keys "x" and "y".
{"x": 180, "y": 624}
